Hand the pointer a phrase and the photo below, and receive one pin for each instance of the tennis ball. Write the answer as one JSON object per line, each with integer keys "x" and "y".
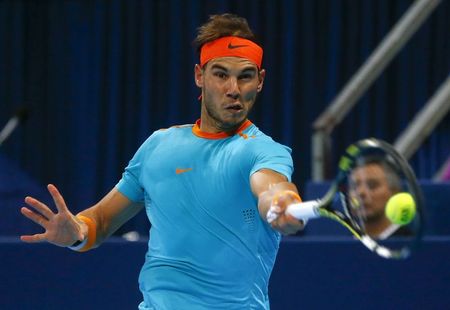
{"x": 401, "y": 208}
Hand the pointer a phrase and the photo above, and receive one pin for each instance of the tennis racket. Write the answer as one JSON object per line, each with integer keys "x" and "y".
{"x": 371, "y": 173}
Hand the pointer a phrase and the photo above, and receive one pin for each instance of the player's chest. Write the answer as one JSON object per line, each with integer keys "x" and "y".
{"x": 200, "y": 161}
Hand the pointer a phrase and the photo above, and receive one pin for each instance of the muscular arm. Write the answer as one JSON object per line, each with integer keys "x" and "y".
{"x": 110, "y": 213}
{"x": 267, "y": 184}
{"x": 62, "y": 228}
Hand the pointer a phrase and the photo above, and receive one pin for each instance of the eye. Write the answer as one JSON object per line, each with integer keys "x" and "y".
{"x": 220, "y": 74}
{"x": 373, "y": 184}
{"x": 246, "y": 76}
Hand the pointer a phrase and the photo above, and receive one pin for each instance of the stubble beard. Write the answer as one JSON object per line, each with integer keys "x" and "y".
{"x": 219, "y": 121}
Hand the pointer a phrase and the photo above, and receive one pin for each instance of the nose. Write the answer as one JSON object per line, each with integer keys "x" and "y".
{"x": 363, "y": 193}
{"x": 233, "y": 88}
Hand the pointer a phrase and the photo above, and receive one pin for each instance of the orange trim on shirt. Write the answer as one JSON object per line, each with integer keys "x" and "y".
{"x": 219, "y": 135}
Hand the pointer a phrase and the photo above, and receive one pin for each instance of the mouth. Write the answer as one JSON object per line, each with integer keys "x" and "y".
{"x": 234, "y": 107}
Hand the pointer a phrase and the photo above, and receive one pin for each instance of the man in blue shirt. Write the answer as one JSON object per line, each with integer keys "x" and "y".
{"x": 206, "y": 187}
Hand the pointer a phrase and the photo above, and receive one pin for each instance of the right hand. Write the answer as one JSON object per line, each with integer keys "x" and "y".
{"x": 277, "y": 216}
{"x": 61, "y": 228}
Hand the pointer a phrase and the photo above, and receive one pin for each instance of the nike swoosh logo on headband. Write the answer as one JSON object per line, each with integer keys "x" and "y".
{"x": 235, "y": 46}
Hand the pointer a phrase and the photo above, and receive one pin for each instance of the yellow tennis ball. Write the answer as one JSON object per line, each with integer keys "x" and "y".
{"x": 401, "y": 208}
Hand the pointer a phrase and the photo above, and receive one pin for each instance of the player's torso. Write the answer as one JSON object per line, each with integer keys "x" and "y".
{"x": 203, "y": 182}
{"x": 206, "y": 231}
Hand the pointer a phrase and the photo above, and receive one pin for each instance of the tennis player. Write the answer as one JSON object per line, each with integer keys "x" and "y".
{"x": 206, "y": 188}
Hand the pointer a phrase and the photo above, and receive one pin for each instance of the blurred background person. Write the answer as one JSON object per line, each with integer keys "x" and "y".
{"x": 372, "y": 183}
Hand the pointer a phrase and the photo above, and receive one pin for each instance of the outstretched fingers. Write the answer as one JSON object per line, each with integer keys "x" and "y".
{"x": 40, "y": 207}
{"x": 38, "y": 219}
{"x": 35, "y": 217}
{"x": 33, "y": 238}
{"x": 57, "y": 198}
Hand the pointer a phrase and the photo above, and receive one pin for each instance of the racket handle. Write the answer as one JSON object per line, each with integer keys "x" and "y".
{"x": 304, "y": 210}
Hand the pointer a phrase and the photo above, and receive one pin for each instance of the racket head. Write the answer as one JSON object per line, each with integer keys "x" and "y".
{"x": 372, "y": 173}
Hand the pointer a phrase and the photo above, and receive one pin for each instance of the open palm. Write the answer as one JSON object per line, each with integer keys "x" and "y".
{"x": 61, "y": 228}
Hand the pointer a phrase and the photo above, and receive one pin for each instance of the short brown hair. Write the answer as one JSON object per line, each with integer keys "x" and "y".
{"x": 222, "y": 26}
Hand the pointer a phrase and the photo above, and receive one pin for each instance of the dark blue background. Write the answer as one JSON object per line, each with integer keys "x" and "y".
{"x": 310, "y": 273}
{"x": 101, "y": 76}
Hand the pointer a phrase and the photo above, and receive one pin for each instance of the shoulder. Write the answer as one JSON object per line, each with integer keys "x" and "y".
{"x": 170, "y": 132}
{"x": 265, "y": 153}
{"x": 260, "y": 141}
{"x": 176, "y": 129}
{"x": 164, "y": 135}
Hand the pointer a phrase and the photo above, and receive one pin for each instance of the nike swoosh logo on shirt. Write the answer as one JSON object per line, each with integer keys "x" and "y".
{"x": 230, "y": 46}
{"x": 182, "y": 170}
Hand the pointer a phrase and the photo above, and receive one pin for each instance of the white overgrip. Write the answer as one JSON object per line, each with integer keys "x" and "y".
{"x": 304, "y": 210}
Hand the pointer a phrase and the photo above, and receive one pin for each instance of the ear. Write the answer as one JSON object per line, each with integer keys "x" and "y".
{"x": 262, "y": 75}
{"x": 198, "y": 76}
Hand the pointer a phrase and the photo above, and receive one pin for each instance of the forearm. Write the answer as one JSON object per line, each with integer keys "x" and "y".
{"x": 101, "y": 224}
{"x": 110, "y": 214}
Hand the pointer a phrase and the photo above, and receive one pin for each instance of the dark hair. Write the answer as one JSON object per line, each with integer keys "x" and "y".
{"x": 393, "y": 176}
{"x": 222, "y": 26}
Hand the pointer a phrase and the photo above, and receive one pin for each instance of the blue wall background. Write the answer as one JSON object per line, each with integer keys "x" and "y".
{"x": 310, "y": 273}
{"x": 100, "y": 76}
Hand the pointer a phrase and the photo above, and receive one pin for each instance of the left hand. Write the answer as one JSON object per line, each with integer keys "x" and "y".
{"x": 62, "y": 228}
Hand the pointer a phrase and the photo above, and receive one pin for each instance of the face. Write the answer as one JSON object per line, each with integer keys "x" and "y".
{"x": 229, "y": 89}
{"x": 371, "y": 187}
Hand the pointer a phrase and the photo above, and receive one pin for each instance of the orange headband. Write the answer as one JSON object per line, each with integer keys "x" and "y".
{"x": 231, "y": 47}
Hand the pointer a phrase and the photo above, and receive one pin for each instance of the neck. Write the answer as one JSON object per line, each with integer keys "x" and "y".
{"x": 210, "y": 124}
{"x": 219, "y": 134}
{"x": 375, "y": 228}
{"x": 214, "y": 127}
